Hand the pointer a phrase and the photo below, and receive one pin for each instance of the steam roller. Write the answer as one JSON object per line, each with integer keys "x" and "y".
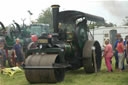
{"x": 47, "y": 74}
{"x": 69, "y": 47}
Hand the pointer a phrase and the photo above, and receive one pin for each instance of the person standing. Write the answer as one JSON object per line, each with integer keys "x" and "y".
{"x": 126, "y": 48}
{"x": 108, "y": 53}
{"x": 125, "y": 52}
{"x": 1, "y": 58}
{"x": 18, "y": 53}
{"x": 118, "y": 36}
{"x": 120, "y": 48}
{"x": 2, "y": 53}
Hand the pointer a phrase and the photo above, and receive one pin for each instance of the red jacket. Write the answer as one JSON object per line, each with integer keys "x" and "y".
{"x": 120, "y": 48}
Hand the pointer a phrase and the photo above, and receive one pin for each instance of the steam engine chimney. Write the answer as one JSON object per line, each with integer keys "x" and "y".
{"x": 55, "y": 11}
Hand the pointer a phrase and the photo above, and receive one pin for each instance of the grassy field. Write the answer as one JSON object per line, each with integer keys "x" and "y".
{"x": 77, "y": 77}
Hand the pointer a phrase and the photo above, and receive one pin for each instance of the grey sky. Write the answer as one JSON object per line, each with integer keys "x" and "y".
{"x": 112, "y": 10}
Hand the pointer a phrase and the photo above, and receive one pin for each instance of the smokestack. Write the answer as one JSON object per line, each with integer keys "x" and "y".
{"x": 55, "y": 11}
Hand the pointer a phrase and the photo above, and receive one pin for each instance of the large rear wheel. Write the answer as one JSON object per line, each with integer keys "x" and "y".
{"x": 92, "y": 57}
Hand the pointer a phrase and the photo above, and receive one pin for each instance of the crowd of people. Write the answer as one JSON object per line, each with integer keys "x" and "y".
{"x": 120, "y": 53}
{"x": 17, "y": 51}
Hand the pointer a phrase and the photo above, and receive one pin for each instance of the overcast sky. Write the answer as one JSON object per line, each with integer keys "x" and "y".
{"x": 111, "y": 10}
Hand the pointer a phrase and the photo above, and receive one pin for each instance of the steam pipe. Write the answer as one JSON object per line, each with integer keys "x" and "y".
{"x": 3, "y": 27}
{"x": 18, "y": 26}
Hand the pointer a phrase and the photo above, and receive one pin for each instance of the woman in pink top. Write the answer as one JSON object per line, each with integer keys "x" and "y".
{"x": 108, "y": 53}
{"x": 120, "y": 48}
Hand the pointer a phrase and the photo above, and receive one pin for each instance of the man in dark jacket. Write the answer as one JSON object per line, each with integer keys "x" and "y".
{"x": 18, "y": 53}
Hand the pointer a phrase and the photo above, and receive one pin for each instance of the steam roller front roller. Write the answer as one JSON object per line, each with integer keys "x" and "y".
{"x": 41, "y": 68}
{"x": 92, "y": 56}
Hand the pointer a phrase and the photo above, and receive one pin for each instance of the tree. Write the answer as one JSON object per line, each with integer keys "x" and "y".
{"x": 46, "y": 17}
{"x": 110, "y": 24}
{"x": 125, "y": 21}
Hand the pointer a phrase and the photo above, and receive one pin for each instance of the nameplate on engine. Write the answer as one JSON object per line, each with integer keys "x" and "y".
{"x": 42, "y": 40}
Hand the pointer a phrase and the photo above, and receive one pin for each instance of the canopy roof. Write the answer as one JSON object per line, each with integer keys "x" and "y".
{"x": 71, "y": 15}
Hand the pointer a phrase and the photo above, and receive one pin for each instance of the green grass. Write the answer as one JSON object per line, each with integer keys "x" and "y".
{"x": 76, "y": 77}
